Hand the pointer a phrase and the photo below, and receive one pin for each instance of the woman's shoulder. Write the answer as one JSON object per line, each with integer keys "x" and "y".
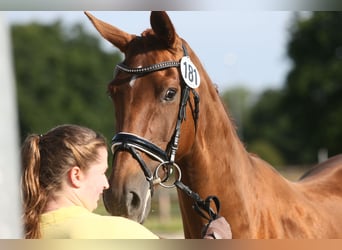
{"x": 116, "y": 227}
{"x": 78, "y": 222}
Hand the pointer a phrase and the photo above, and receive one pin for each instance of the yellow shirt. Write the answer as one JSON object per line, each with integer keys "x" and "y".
{"x": 79, "y": 223}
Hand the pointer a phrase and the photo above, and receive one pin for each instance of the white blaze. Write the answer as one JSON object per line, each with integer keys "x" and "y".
{"x": 132, "y": 81}
{"x": 134, "y": 77}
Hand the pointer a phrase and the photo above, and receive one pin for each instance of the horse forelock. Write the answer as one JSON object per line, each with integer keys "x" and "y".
{"x": 147, "y": 32}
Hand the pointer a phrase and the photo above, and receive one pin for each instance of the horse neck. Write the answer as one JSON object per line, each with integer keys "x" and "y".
{"x": 215, "y": 163}
{"x": 217, "y": 155}
{"x": 217, "y": 149}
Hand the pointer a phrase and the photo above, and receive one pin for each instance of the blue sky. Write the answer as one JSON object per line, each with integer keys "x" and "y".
{"x": 238, "y": 48}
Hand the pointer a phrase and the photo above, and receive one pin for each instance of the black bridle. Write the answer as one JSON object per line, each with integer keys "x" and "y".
{"x": 134, "y": 144}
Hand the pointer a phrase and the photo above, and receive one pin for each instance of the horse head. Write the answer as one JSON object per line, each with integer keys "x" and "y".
{"x": 151, "y": 102}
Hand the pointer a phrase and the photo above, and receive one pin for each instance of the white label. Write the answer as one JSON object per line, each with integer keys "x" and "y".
{"x": 190, "y": 73}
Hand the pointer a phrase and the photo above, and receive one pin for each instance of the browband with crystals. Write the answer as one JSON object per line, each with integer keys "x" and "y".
{"x": 151, "y": 68}
{"x": 148, "y": 69}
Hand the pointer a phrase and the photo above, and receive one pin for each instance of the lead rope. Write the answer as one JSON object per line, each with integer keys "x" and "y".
{"x": 201, "y": 206}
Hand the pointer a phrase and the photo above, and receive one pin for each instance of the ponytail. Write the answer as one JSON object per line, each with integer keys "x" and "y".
{"x": 46, "y": 161}
{"x": 34, "y": 197}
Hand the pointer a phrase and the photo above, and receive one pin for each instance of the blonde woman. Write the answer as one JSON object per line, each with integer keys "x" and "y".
{"x": 63, "y": 179}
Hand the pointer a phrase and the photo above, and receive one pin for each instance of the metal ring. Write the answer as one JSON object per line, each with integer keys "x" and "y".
{"x": 169, "y": 165}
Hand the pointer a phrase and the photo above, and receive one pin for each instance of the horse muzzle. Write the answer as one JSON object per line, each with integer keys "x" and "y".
{"x": 130, "y": 195}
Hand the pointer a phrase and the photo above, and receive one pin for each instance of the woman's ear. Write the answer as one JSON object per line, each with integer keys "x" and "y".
{"x": 75, "y": 176}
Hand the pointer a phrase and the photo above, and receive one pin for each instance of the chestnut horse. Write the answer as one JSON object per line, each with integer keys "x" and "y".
{"x": 161, "y": 121}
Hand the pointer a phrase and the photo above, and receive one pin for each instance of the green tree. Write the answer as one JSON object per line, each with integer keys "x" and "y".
{"x": 290, "y": 125}
{"x": 265, "y": 128}
{"x": 62, "y": 75}
{"x": 313, "y": 89}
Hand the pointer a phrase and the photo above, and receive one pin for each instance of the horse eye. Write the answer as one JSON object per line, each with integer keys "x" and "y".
{"x": 170, "y": 94}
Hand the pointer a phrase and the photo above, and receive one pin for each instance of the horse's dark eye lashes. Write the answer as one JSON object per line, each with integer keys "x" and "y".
{"x": 170, "y": 94}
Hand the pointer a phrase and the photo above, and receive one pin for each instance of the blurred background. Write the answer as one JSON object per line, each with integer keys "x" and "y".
{"x": 278, "y": 72}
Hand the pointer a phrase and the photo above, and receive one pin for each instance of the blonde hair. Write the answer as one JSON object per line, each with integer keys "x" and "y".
{"x": 46, "y": 159}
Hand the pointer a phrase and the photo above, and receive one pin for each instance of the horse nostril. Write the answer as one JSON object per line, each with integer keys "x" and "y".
{"x": 134, "y": 200}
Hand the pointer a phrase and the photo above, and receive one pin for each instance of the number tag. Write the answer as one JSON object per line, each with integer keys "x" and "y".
{"x": 190, "y": 73}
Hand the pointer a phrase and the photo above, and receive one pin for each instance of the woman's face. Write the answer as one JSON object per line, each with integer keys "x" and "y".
{"x": 95, "y": 181}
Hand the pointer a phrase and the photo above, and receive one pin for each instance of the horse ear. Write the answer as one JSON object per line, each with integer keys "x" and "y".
{"x": 163, "y": 27}
{"x": 117, "y": 37}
